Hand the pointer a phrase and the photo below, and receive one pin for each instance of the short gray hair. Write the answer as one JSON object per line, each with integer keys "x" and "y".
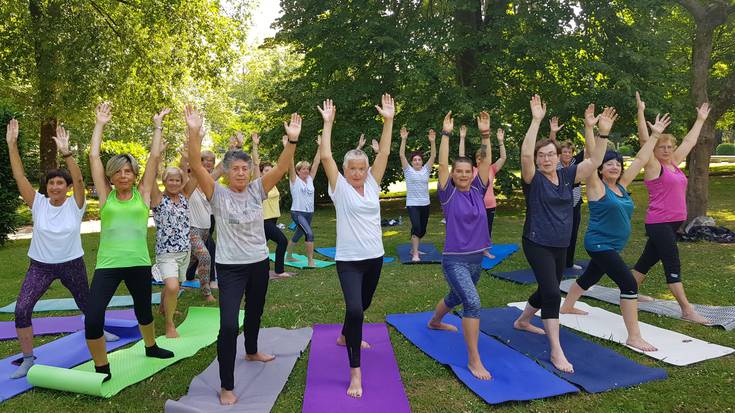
{"x": 118, "y": 162}
{"x": 236, "y": 155}
{"x": 355, "y": 155}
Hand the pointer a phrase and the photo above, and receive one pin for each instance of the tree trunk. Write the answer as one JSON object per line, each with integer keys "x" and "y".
{"x": 698, "y": 166}
{"x": 47, "y": 146}
{"x": 468, "y": 15}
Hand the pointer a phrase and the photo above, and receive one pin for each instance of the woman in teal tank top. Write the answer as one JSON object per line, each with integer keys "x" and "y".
{"x": 123, "y": 251}
{"x": 607, "y": 233}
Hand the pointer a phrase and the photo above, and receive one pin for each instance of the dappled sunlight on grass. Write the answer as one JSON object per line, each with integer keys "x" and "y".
{"x": 390, "y": 233}
{"x": 722, "y": 215}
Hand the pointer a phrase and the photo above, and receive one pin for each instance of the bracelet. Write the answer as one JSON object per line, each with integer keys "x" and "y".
{"x": 447, "y": 134}
{"x": 159, "y": 127}
{"x": 66, "y": 155}
{"x": 293, "y": 142}
{"x": 604, "y": 136}
{"x": 486, "y": 133}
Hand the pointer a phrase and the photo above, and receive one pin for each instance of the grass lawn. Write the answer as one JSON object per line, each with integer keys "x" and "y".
{"x": 314, "y": 296}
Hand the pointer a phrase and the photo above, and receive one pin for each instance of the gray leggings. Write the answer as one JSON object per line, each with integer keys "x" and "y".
{"x": 462, "y": 273}
{"x": 303, "y": 226}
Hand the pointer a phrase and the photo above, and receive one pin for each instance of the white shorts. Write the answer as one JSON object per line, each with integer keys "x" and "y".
{"x": 171, "y": 264}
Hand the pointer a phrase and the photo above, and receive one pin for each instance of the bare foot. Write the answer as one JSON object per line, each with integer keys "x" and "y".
{"x": 561, "y": 363}
{"x": 644, "y": 298}
{"x": 311, "y": 264}
{"x": 342, "y": 341}
{"x": 161, "y": 309}
{"x": 572, "y": 310}
{"x": 441, "y": 326}
{"x": 415, "y": 258}
{"x": 695, "y": 317}
{"x": 479, "y": 371}
{"x": 292, "y": 259}
{"x": 421, "y": 252}
{"x": 355, "y": 389}
{"x": 171, "y": 332}
{"x": 260, "y": 357}
{"x": 210, "y": 298}
{"x": 227, "y": 397}
{"x": 525, "y": 325}
{"x": 640, "y": 344}
{"x": 487, "y": 254}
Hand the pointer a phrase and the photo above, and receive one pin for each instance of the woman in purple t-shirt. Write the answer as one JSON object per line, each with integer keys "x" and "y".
{"x": 462, "y": 199}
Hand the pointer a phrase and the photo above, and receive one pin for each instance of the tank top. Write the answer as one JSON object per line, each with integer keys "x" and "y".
{"x": 271, "y": 207}
{"x": 609, "y": 227}
{"x": 667, "y": 197}
{"x": 124, "y": 232}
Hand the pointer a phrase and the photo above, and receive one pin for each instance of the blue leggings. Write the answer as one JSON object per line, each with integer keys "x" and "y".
{"x": 303, "y": 226}
{"x": 462, "y": 273}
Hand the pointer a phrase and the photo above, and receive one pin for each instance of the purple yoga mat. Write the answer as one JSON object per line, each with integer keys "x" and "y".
{"x": 57, "y": 325}
{"x": 328, "y": 374}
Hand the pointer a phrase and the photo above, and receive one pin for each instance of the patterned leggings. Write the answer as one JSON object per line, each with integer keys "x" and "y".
{"x": 73, "y": 276}
{"x": 198, "y": 237}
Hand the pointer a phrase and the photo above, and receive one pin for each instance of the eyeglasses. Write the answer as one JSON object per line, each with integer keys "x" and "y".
{"x": 548, "y": 155}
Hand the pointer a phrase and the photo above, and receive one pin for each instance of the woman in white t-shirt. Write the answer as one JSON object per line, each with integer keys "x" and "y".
{"x": 301, "y": 182}
{"x": 56, "y": 245}
{"x": 359, "y": 252}
{"x": 417, "y": 175}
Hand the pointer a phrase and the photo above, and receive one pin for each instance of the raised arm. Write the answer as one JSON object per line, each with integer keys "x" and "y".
{"x": 190, "y": 182}
{"x": 554, "y": 128}
{"x": 646, "y": 151}
{"x": 447, "y": 127}
{"x": 590, "y": 120}
{"x": 328, "y": 111}
{"x": 194, "y": 124}
{"x": 317, "y": 158}
{"x": 16, "y": 164}
{"x": 498, "y": 165}
{"x": 641, "y": 119}
{"x": 483, "y": 169}
{"x": 293, "y": 130}
{"x": 462, "y": 136}
{"x": 402, "y": 148}
{"x": 361, "y": 142}
{"x": 528, "y": 163}
{"x": 156, "y": 194}
{"x": 151, "y": 166}
{"x": 690, "y": 140}
{"x": 432, "y": 154}
{"x": 605, "y": 122}
{"x": 387, "y": 110}
{"x": 255, "y": 155}
{"x": 62, "y": 143}
{"x": 103, "y": 114}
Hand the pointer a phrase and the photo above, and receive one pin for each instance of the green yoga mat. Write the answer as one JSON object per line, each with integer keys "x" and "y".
{"x": 302, "y": 260}
{"x": 63, "y": 304}
{"x": 130, "y": 365}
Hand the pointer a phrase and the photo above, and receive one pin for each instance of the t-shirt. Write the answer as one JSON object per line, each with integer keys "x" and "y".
{"x": 359, "y": 236}
{"x": 238, "y": 218}
{"x": 577, "y": 193}
{"x": 549, "y": 208}
{"x": 172, "y": 225}
{"x": 271, "y": 209}
{"x": 200, "y": 210}
{"x": 667, "y": 197}
{"x": 466, "y": 218}
{"x": 417, "y": 185}
{"x": 124, "y": 232}
{"x": 489, "y": 199}
{"x": 56, "y": 237}
{"x": 302, "y": 194}
{"x": 609, "y": 227}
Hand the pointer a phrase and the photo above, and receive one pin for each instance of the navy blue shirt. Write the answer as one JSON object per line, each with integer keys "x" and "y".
{"x": 549, "y": 208}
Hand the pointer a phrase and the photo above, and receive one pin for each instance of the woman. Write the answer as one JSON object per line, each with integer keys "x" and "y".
{"x": 359, "y": 252}
{"x": 548, "y": 225}
{"x": 123, "y": 250}
{"x": 301, "y": 182}
{"x": 242, "y": 255}
{"x": 611, "y": 209}
{"x": 271, "y": 213}
{"x": 417, "y": 175}
{"x": 56, "y": 246}
{"x": 667, "y": 207}
{"x": 462, "y": 199}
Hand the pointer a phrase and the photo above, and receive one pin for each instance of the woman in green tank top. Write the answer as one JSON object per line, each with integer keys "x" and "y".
{"x": 123, "y": 251}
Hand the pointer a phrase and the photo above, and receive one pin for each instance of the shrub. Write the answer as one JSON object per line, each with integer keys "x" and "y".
{"x": 626, "y": 150}
{"x": 725, "y": 149}
{"x": 108, "y": 150}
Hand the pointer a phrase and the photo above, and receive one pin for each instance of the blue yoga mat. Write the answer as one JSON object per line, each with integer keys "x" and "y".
{"x": 515, "y": 376}
{"x": 596, "y": 368}
{"x": 187, "y": 283}
{"x": 68, "y": 304}
{"x": 66, "y": 352}
{"x": 331, "y": 252}
{"x": 526, "y": 276}
{"x": 501, "y": 252}
{"x": 431, "y": 256}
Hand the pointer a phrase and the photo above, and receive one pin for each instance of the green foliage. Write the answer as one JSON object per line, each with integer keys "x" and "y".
{"x": 626, "y": 150}
{"x": 725, "y": 149}
{"x": 9, "y": 196}
{"x": 110, "y": 148}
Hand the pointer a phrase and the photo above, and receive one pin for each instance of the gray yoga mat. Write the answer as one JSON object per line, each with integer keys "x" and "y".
{"x": 68, "y": 304}
{"x": 720, "y": 316}
{"x": 257, "y": 385}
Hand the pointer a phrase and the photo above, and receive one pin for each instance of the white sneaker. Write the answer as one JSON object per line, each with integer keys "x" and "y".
{"x": 213, "y": 285}
{"x": 576, "y": 267}
{"x": 444, "y": 221}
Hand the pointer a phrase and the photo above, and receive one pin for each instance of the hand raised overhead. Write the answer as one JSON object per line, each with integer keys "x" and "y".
{"x": 448, "y": 123}
{"x": 590, "y": 120}
{"x": 538, "y": 108}
{"x": 387, "y": 108}
{"x": 62, "y": 140}
{"x": 500, "y": 135}
{"x": 432, "y": 136}
{"x": 403, "y": 132}
{"x": 11, "y": 135}
{"x": 703, "y": 111}
{"x": 606, "y": 120}
{"x": 328, "y": 111}
{"x": 193, "y": 118}
{"x": 255, "y": 138}
{"x": 641, "y": 105}
{"x": 375, "y": 145}
{"x": 462, "y": 131}
{"x": 293, "y": 127}
{"x": 103, "y": 113}
{"x": 158, "y": 117}
{"x": 483, "y": 123}
{"x": 662, "y": 122}
{"x": 554, "y": 124}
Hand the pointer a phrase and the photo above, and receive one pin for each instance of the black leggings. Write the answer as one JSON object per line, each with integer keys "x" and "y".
{"x": 612, "y": 263}
{"x": 490, "y": 218}
{"x": 104, "y": 285}
{"x": 576, "y": 218}
{"x": 358, "y": 280}
{"x": 234, "y": 281}
{"x": 547, "y": 264}
{"x": 273, "y": 233}
{"x": 211, "y": 248}
{"x": 661, "y": 246}
{"x": 419, "y": 216}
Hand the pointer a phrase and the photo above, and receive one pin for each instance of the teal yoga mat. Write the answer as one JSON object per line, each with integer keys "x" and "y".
{"x": 302, "y": 260}
{"x": 68, "y": 304}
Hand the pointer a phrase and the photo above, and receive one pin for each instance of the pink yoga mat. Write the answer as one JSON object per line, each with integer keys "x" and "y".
{"x": 328, "y": 374}
{"x": 57, "y": 325}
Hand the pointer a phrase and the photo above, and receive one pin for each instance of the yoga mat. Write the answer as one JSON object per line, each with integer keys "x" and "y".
{"x": 302, "y": 260}
{"x": 525, "y": 276}
{"x": 720, "y": 316}
{"x": 673, "y": 348}
{"x": 187, "y": 283}
{"x": 501, "y": 252}
{"x": 130, "y": 365}
{"x": 56, "y": 325}
{"x": 68, "y": 304}
{"x": 66, "y": 352}
{"x": 431, "y": 254}
{"x": 515, "y": 376}
{"x": 596, "y": 368}
{"x": 328, "y": 374}
{"x": 257, "y": 385}
{"x": 331, "y": 252}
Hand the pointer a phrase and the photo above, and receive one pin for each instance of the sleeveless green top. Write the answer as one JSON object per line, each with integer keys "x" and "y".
{"x": 124, "y": 232}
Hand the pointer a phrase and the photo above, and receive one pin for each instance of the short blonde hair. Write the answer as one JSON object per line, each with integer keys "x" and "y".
{"x": 172, "y": 170}
{"x": 117, "y": 162}
{"x": 667, "y": 137}
{"x": 302, "y": 164}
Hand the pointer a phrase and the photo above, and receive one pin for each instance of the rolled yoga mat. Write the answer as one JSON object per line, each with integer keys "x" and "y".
{"x": 68, "y": 304}
{"x": 130, "y": 365}
{"x": 302, "y": 261}
{"x": 257, "y": 385}
{"x": 515, "y": 376}
{"x": 430, "y": 254}
{"x": 720, "y": 316}
{"x": 501, "y": 252}
{"x": 64, "y": 352}
{"x": 596, "y": 368}
{"x": 526, "y": 276}
{"x": 673, "y": 348}
{"x": 328, "y": 374}
{"x": 56, "y": 325}
{"x": 331, "y": 252}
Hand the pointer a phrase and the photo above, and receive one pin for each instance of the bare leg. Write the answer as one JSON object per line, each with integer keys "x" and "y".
{"x": 355, "y": 389}
{"x": 572, "y": 297}
{"x": 639, "y": 278}
{"x": 687, "y": 310}
{"x": 310, "y": 254}
{"x": 415, "y": 241}
{"x": 524, "y": 321}
{"x": 148, "y": 332}
{"x": 264, "y": 357}
{"x": 471, "y": 332}
{"x": 629, "y": 308}
{"x": 558, "y": 359}
{"x": 436, "y": 320}
{"x": 25, "y": 338}
{"x": 170, "y": 291}
{"x": 342, "y": 341}
{"x": 98, "y": 349}
{"x": 289, "y": 251}
{"x": 227, "y": 397}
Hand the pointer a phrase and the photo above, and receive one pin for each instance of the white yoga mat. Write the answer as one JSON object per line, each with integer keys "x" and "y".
{"x": 673, "y": 348}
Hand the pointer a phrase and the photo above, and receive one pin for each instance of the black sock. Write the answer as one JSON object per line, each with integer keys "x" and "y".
{"x": 158, "y": 352}
{"x": 104, "y": 370}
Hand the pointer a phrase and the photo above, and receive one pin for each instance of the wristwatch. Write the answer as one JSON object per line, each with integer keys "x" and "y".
{"x": 447, "y": 134}
{"x": 294, "y": 142}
